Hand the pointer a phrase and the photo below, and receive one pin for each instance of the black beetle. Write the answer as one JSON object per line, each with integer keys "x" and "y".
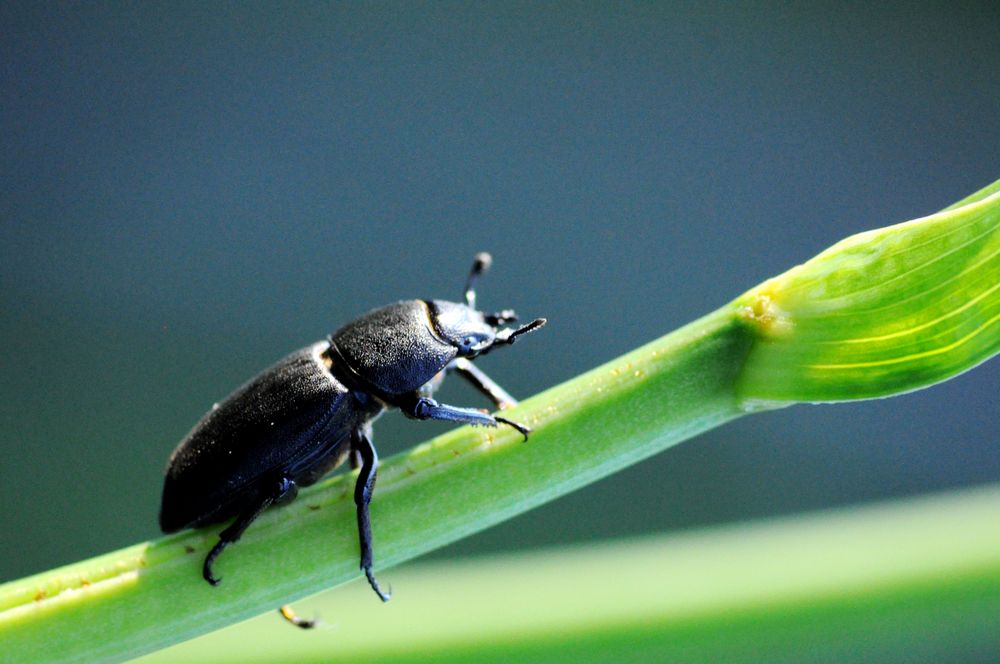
{"x": 299, "y": 419}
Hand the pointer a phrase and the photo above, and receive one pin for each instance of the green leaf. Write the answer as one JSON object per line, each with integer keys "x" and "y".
{"x": 882, "y": 312}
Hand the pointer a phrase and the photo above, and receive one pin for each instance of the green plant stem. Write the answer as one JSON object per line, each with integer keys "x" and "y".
{"x": 149, "y": 596}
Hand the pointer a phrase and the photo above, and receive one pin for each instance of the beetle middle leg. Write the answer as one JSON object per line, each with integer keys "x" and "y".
{"x": 363, "y": 448}
{"x": 483, "y": 383}
{"x": 282, "y": 491}
{"x": 363, "y": 456}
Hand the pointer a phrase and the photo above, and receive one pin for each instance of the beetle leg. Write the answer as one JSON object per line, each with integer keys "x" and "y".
{"x": 355, "y": 459}
{"x": 282, "y": 492}
{"x": 289, "y": 614}
{"x": 522, "y": 429}
{"x": 423, "y": 408}
{"x": 362, "y": 497}
{"x": 479, "y": 380}
{"x": 354, "y": 456}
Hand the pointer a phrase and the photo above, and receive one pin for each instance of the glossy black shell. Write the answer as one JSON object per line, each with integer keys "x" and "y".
{"x": 293, "y": 420}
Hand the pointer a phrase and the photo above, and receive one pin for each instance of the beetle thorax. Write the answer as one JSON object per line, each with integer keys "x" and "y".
{"x": 391, "y": 351}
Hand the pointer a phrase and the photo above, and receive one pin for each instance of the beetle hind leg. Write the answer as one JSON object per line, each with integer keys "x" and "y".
{"x": 283, "y": 491}
{"x": 363, "y": 449}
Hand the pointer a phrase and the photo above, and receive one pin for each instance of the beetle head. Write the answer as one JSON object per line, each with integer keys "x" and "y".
{"x": 463, "y": 327}
{"x": 471, "y": 331}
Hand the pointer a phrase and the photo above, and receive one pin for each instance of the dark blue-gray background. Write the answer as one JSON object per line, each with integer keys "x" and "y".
{"x": 192, "y": 190}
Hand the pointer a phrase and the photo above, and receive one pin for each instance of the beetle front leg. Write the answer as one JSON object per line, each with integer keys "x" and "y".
{"x": 362, "y": 445}
{"x": 479, "y": 380}
{"x": 423, "y": 408}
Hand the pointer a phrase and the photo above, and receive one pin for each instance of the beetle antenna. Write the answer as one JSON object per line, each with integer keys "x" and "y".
{"x": 508, "y": 336}
{"x": 480, "y": 264}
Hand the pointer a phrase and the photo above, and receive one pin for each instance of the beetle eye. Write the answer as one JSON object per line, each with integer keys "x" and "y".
{"x": 469, "y": 342}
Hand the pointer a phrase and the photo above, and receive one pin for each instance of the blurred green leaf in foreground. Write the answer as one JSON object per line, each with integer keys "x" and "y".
{"x": 914, "y": 580}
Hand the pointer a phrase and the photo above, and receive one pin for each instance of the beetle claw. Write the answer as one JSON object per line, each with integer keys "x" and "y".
{"x": 516, "y": 425}
{"x": 382, "y": 595}
{"x": 207, "y": 573}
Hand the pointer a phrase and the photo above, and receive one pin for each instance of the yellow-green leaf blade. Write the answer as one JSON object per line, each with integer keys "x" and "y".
{"x": 882, "y": 312}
